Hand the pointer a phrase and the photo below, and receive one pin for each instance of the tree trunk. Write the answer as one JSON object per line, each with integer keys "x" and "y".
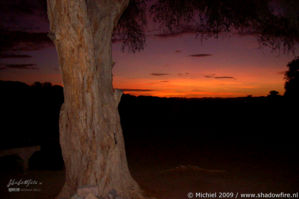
{"x": 90, "y": 132}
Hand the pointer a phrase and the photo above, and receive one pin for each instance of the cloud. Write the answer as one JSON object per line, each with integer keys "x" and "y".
{"x": 25, "y": 15}
{"x": 219, "y": 77}
{"x": 135, "y": 90}
{"x": 19, "y": 66}
{"x": 22, "y": 16}
{"x": 23, "y": 27}
{"x": 23, "y": 41}
{"x": 209, "y": 76}
{"x": 224, "y": 77}
{"x": 34, "y": 7}
{"x": 159, "y": 74}
{"x": 178, "y": 51}
{"x": 13, "y": 55}
{"x": 164, "y": 81}
{"x": 200, "y": 55}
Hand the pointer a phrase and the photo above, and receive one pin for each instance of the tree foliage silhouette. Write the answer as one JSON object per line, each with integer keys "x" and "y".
{"x": 274, "y": 23}
{"x": 292, "y": 80}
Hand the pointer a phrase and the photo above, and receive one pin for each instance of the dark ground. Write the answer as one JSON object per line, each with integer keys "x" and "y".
{"x": 174, "y": 146}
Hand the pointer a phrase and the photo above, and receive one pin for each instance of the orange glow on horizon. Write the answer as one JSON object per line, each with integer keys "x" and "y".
{"x": 198, "y": 87}
{"x": 190, "y": 86}
{"x": 166, "y": 68}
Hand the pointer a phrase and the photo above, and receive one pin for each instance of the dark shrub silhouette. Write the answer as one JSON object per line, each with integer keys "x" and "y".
{"x": 273, "y": 93}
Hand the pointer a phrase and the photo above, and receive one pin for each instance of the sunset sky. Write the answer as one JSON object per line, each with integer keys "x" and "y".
{"x": 174, "y": 66}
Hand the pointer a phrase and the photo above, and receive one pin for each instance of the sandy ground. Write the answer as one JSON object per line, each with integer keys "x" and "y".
{"x": 172, "y": 172}
{"x": 177, "y": 173}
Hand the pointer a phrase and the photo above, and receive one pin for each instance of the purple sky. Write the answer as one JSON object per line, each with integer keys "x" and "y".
{"x": 180, "y": 66}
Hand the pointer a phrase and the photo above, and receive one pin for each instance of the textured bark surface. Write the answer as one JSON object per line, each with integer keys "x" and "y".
{"x": 90, "y": 132}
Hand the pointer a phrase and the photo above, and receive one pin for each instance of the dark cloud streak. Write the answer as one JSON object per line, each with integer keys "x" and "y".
{"x": 24, "y": 41}
{"x": 23, "y": 27}
{"x": 159, "y": 74}
{"x": 13, "y": 55}
{"x": 200, "y": 55}
{"x": 219, "y": 77}
{"x": 19, "y": 66}
{"x": 224, "y": 77}
{"x": 36, "y": 7}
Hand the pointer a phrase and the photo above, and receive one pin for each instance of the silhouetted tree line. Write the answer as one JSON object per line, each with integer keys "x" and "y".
{"x": 30, "y": 115}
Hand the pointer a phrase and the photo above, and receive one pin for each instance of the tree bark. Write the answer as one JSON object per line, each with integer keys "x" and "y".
{"x": 90, "y": 132}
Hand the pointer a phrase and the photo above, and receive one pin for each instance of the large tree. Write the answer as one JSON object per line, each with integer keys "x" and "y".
{"x": 90, "y": 132}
